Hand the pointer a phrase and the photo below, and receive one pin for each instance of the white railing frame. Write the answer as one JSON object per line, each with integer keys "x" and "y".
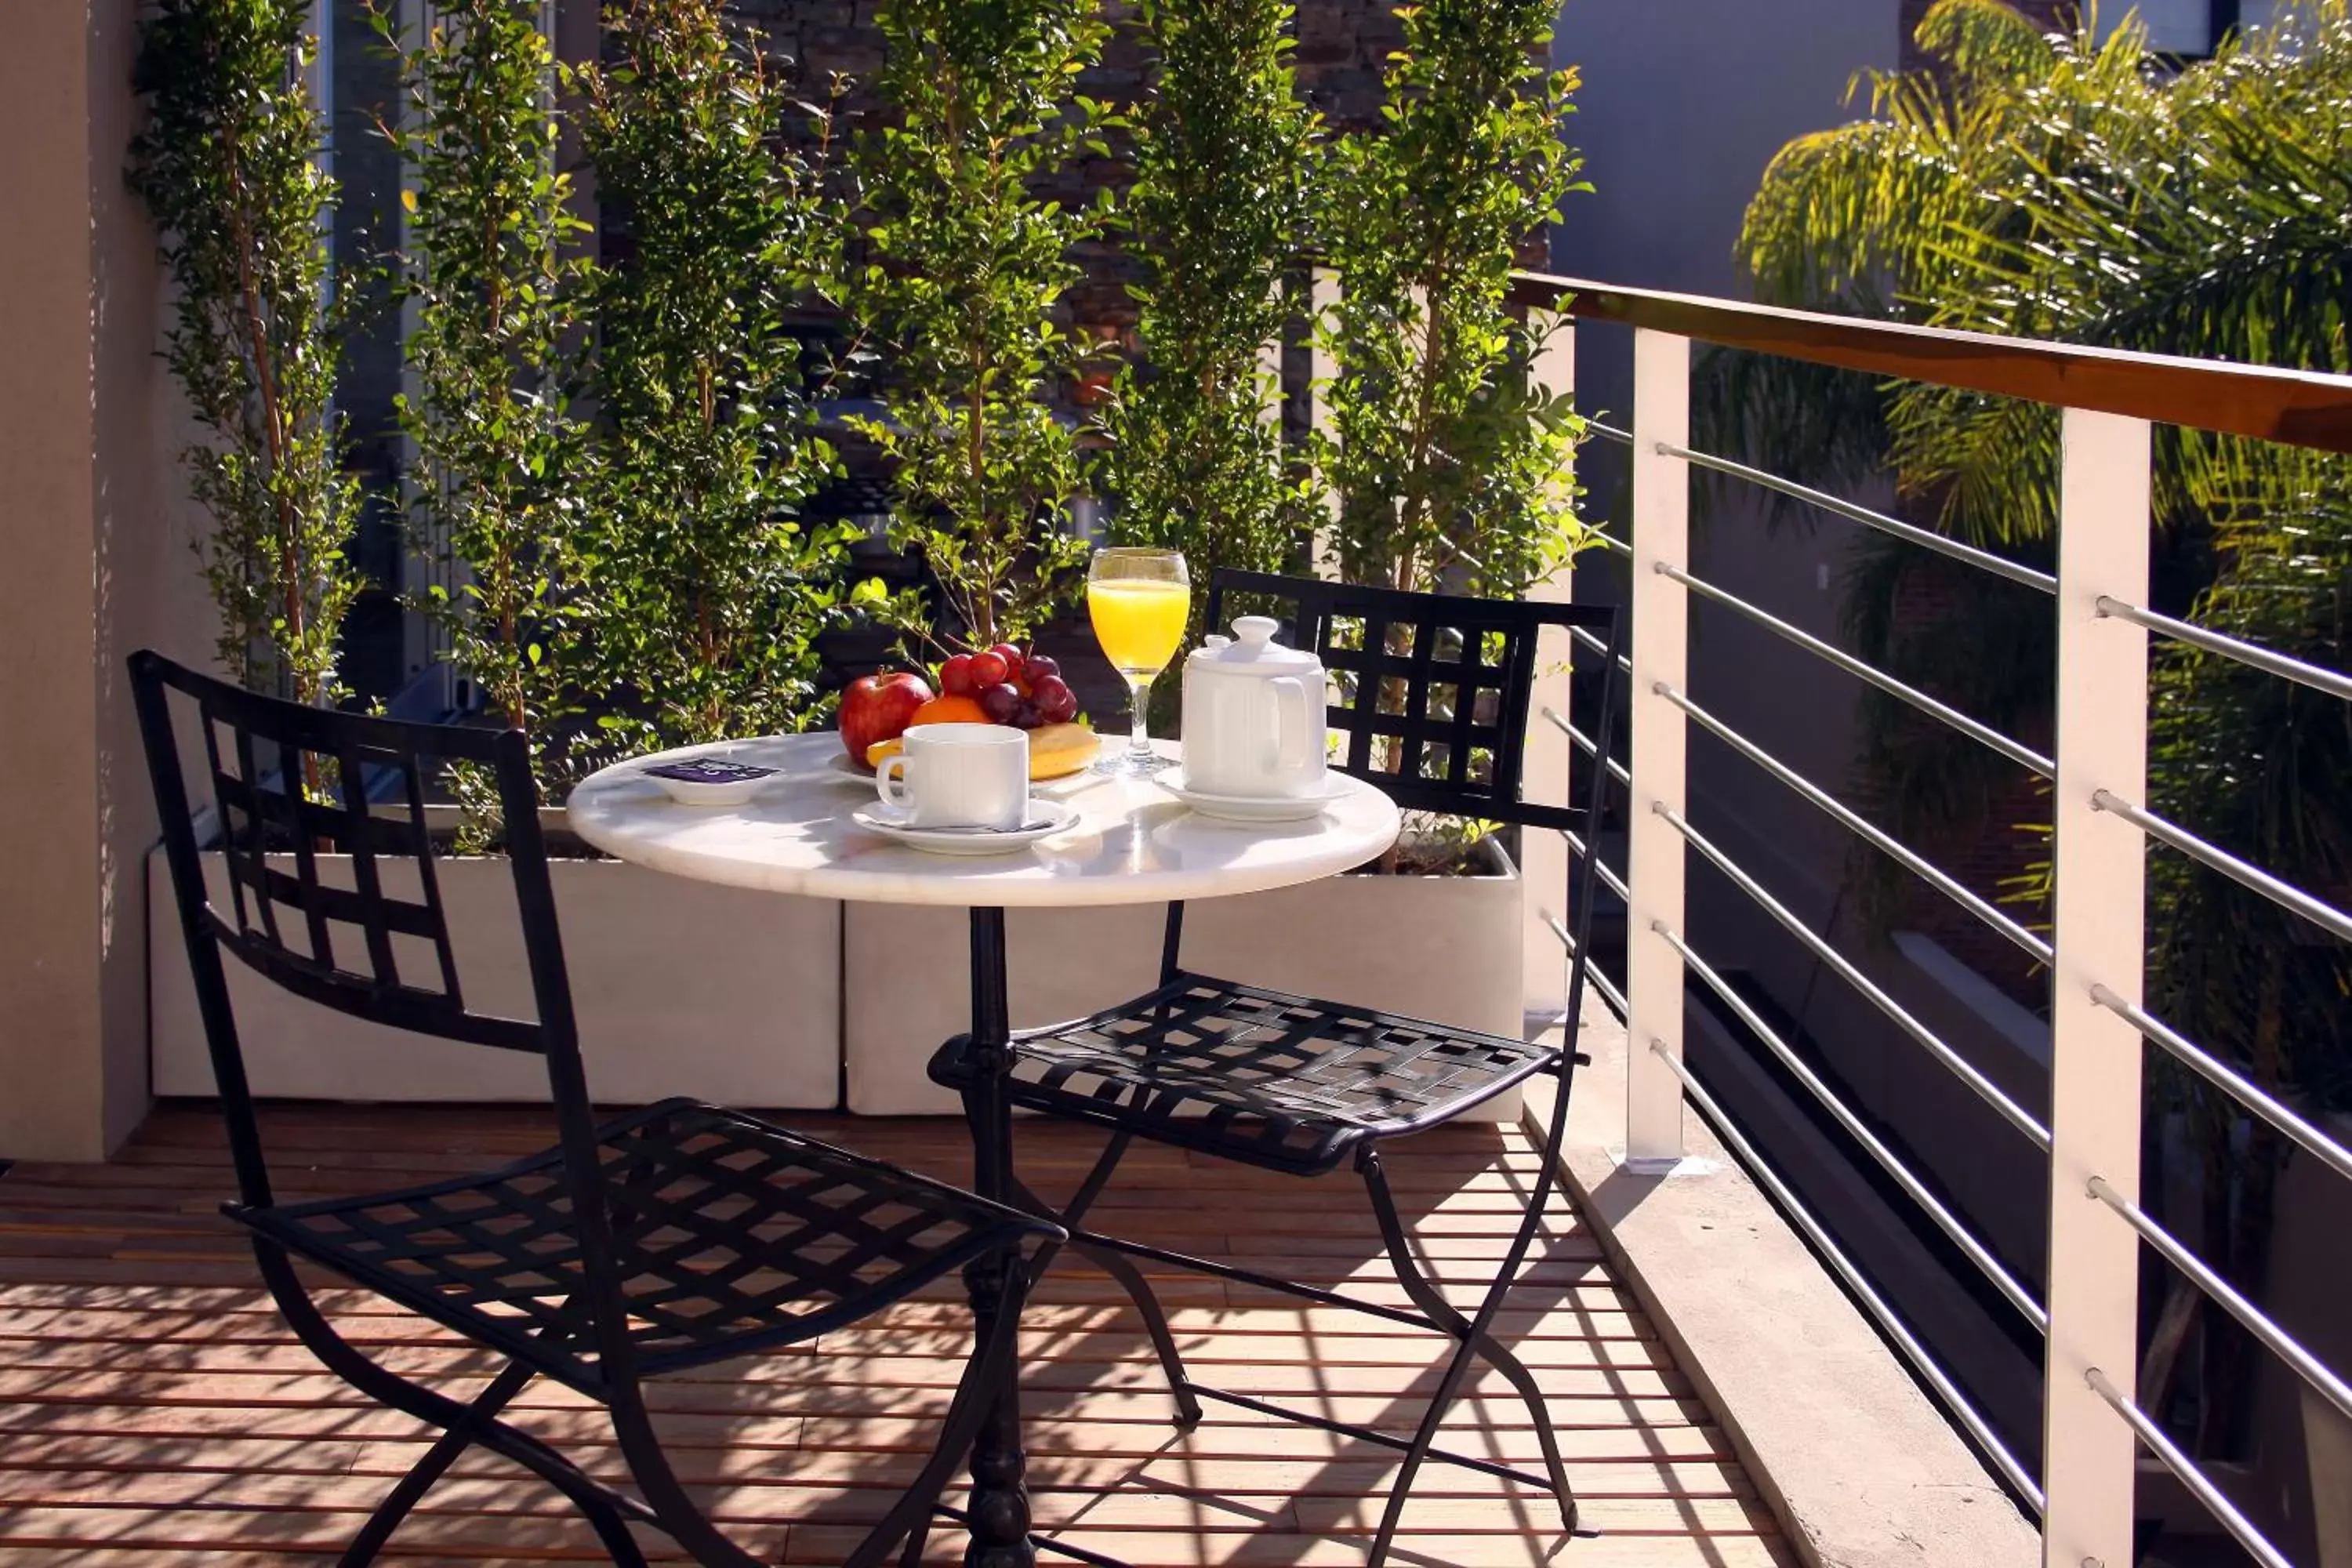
{"x": 1546, "y": 764}
{"x": 2090, "y": 1471}
{"x": 2094, "y": 1431}
{"x": 1654, "y": 980}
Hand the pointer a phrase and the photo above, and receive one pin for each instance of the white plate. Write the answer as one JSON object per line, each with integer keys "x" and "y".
{"x": 1252, "y": 808}
{"x": 1046, "y": 818}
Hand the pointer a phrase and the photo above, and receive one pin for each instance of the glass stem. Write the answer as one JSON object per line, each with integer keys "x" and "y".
{"x": 1138, "y": 701}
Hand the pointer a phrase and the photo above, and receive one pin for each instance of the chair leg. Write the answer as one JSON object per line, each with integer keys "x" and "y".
{"x": 910, "y": 1516}
{"x": 1433, "y": 1301}
{"x": 437, "y": 1460}
{"x": 606, "y": 1512}
{"x": 1122, "y": 1269}
{"x": 1472, "y": 1339}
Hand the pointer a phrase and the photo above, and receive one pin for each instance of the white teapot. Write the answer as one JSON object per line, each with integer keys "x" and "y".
{"x": 1253, "y": 719}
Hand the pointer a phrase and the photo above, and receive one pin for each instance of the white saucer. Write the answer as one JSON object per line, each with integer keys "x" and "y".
{"x": 1252, "y": 808}
{"x": 1046, "y": 818}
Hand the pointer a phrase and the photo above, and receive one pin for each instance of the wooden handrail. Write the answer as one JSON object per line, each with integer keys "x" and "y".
{"x": 2300, "y": 408}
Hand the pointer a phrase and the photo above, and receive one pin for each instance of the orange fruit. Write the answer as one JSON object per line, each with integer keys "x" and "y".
{"x": 948, "y": 711}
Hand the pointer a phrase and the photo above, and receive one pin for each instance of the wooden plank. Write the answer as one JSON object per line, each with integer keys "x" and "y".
{"x": 2304, "y": 408}
{"x": 155, "y": 1411}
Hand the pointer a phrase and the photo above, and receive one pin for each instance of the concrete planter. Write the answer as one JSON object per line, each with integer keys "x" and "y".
{"x": 680, "y": 987}
{"x": 1443, "y": 948}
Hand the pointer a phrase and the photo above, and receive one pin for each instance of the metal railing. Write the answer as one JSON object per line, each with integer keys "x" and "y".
{"x": 2095, "y": 952}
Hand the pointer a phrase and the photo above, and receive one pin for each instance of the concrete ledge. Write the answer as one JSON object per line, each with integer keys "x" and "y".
{"x": 1860, "y": 1467}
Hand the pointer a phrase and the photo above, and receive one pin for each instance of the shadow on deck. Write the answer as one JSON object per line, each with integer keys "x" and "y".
{"x": 155, "y": 1412}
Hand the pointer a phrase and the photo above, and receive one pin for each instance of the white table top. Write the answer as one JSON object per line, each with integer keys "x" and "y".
{"x": 1132, "y": 843}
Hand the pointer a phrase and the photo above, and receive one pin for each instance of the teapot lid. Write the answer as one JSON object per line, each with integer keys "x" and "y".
{"x": 1252, "y": 650}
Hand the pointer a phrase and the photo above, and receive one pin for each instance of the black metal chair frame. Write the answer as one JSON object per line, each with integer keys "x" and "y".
{"x": 542, "y": 1259}
{"x": 1142, "y": 1067}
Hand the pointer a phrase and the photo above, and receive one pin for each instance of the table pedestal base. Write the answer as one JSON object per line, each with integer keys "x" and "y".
{"x": 1000, "y": 1495}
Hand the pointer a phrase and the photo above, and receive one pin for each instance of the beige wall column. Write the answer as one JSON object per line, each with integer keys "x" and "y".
{"x": 96, "y": 564}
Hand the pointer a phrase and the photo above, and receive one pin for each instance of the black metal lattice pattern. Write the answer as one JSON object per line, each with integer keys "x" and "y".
{"x": 1429, "y": 692}
{"x": 1261, "y": 1077}
{"x": 332, "y": 891}
{"x": 730, "y": 1235}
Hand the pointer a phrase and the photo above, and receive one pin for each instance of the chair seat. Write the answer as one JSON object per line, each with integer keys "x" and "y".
{"x": 734, "y": 1236}
{"x": 1285, "y": 1082}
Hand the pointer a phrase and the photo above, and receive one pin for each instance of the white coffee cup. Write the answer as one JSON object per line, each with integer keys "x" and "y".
{"x": 959, "y": 775}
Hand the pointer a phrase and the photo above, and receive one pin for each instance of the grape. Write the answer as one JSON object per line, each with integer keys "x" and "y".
{"x": 1011, "y": 657}
{"x": 1039, "y": 667}
{"x": 1028, "y": 717}
{"x": 956, "y": 678}
{"x": 1001, "y": 701}
{"x": 1054, "y": 700}
{"x": 990, "y": 669}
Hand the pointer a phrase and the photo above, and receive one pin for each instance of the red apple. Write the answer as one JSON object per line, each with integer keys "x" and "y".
{"x": 878, "y": 707}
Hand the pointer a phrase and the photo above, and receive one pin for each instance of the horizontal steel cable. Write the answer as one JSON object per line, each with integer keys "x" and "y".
{"x": 1612, "y": 431}
{"x": 1926, "y": 539}
{"x": 1946, "y": 1220}
{"x": 2191, "y": 1055}
{"x": 1617, "y": 770}
{"x": 1908, "y": 858}
{"x": 1872, "y": 1302}
{"x": 1609, "y": 878}
{"x": 2281, "y": 1343}
{"x": 2023, "y": 757}
{"x": 1591, "y": 640}
{"x": 1991, "y": 1093}
{"x": 2185, "y": 1470}
{"x": 2332, "y": 682}
{"x": 2286, "y": 895}
{"x": 1609, "y": 993}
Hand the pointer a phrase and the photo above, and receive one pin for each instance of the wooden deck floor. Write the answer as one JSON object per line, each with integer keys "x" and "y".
{"x": 154, "y": 1411}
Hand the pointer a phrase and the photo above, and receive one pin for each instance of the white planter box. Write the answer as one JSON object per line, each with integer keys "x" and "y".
{"x": 1443, "y": 948}
{"x": 680, "y": 987}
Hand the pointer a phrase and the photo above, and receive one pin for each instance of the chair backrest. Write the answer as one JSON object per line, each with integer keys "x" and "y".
{"x": 329, "y": 895}
{"x": 1431, "y": 691}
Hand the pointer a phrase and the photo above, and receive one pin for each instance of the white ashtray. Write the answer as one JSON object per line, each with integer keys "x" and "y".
{"x": 709, "y": 781}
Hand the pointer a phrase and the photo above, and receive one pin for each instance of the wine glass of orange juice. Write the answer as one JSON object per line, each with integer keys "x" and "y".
{"x": 1139, "y": 600}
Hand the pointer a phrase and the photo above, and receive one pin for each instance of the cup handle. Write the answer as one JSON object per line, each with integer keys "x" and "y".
{"x": 884, "y": 778}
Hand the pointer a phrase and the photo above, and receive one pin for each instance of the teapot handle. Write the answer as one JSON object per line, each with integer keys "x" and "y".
{"x": 1294, "y": 729}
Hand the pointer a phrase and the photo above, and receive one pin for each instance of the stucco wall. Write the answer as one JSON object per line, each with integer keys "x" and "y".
{"x": 99, "y": 565}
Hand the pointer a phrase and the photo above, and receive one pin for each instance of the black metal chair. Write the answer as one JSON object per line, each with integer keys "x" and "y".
{"x": 670, "y": 1238}
{"x": 1434, "y": 697}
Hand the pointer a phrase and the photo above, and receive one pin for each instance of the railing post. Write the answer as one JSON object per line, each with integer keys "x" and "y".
{"x": 1660, "y": 650}
{"x": 2099, "y": 869}
{"x": 1323, "y": 298}
{"x": 1544, "y": 774}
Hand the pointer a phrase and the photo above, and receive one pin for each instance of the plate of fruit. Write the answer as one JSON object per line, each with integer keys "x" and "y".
{"x": 999, "y": 685}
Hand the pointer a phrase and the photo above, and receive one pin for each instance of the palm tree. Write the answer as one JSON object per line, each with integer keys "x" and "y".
{"x": 2066, "y": 187}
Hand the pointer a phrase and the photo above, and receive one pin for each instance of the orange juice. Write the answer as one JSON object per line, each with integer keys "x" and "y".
{"x": 1139, "y": 622}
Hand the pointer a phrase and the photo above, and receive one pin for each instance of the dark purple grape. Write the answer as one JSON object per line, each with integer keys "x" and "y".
{"x": 1054, "y": 700}
{"x": 1039, "y": 667}
{"x": 1028, "y": 718}
{"x": 999, "y": 701}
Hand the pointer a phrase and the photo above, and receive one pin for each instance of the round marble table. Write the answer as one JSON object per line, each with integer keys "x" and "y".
{"x": 1132, "y": 843}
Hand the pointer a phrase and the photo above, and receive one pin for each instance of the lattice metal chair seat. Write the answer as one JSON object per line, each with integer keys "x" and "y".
{"x": 669, "y": 1238}
{"x": 729, "y": 1237}
{"x": 1261, "y": 1077}
{"x": 1432, "y": 699}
